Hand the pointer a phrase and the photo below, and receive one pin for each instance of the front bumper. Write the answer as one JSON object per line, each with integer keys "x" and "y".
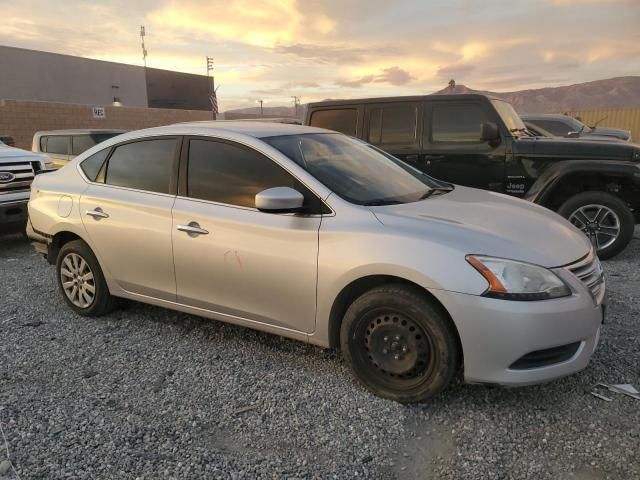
{"x": 496, "y": 334}
{"x": 13, "y": 215}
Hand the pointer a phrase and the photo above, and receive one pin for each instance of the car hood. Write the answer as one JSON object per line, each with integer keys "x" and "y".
{"x": 486, "y": 223}
{"x": 576, "y": 148}
{"x": 10, "y": 154}
{"x": 618, "y": 132}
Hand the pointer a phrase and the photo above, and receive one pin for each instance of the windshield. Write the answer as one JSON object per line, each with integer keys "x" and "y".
{"x": 355, "y": 170}
{"x": 508, "y": 115}
{"x": 577, "y": 125}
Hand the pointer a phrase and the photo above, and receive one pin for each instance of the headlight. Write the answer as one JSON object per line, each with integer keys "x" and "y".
{"x": 511, "y": 280}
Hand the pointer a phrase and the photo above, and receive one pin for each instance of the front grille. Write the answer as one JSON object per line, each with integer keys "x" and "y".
{"x": 589, "y": 271}
{"x": 544, "y": 358}
{"x": 23, "y": 173}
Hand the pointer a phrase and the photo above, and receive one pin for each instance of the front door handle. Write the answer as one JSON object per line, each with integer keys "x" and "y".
{"x": 193, "y": 229}
{"x": 97, "y": 213}
{"x": 433, "y": 157}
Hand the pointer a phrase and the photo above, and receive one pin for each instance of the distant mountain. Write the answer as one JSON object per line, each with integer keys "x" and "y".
{"x": 611, "y": 93}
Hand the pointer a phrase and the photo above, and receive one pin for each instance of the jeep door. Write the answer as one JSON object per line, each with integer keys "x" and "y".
{"x": 126, "y": 212}
{"x": 232, "y": 259}
{"x": 396, "y": 127}
{"x": 452, "y": 149}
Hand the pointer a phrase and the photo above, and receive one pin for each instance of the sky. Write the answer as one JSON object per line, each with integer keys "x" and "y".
{"x": 320, "y": 49}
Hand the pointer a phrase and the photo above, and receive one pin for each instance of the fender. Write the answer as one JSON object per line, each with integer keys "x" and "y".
{"x": 545, "y": 185}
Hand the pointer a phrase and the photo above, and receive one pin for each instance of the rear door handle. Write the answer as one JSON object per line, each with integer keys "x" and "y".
{"x": 193, "y": 229}
{"x": 97, "y": 213}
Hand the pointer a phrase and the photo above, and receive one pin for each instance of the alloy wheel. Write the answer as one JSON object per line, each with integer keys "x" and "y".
{"x": 77, "y": 280}
{"x": 599, "y": 223}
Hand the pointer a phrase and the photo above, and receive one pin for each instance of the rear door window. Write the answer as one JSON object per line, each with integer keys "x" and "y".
{"x": 393, "y": 124}
{"x": 343, "y": 120}
{"x": 57, "y": 144}
{"x": 148, "y": 165}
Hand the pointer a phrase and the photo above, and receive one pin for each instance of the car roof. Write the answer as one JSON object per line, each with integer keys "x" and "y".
{"x": 252, "y": 129}
{"x": 79, "y": 131}
{"x": 409, "y": 98}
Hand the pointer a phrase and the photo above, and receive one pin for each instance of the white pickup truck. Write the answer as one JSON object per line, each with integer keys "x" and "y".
{"x": 17, "y": 170}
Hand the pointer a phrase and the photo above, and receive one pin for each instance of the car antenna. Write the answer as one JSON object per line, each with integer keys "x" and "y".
{"x": 601, "y": 120}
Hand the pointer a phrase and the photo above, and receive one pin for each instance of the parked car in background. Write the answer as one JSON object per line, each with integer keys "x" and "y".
{"x": 7, "y": 140}
{"x": 63, "y": 145}
{"x": 480, "y": 141}
{"x": 316, "y": 236}
{"x": 566, "y": 126}
{"x": 17, "y": 170}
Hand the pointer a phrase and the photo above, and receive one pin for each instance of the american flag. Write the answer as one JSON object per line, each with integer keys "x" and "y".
{"x": 214, "y": 101}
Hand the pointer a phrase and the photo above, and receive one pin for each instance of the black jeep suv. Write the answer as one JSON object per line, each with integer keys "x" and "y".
{"x": 481, "y": 142}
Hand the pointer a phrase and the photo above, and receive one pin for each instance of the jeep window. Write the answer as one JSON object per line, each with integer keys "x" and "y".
{"x": 508, "y": 115}
{"x": 144, "y": 165}
{"x": 343, "y": 120}
{"x": 354, "y": 170}
{"x": 393, "y": 124}
{"x": 457, "y": 123}
{"x": 58, "y": 144}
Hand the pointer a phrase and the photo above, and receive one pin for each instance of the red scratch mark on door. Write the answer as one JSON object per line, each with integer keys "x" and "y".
{"x": 236, "y": 257}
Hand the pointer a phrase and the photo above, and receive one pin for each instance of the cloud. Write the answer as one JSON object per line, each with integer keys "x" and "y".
{"x": 335, "y": 54}
{"x": 456, "y": 70}
{"x": 393, "y": 76}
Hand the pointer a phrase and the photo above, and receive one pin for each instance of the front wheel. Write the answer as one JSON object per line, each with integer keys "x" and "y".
{"x": 399, "y": 344}
{"x": 81, "y": 280}
{"x": 605, "y": 219}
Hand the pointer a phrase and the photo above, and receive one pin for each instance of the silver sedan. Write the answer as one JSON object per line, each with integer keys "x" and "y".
{"x": 315, "y": 236}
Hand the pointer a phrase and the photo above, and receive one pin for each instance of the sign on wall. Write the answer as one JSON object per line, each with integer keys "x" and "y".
{"x": 99, "y": 113}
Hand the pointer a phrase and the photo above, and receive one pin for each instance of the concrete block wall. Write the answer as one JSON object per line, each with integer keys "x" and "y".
{"x": 21, "y": 118}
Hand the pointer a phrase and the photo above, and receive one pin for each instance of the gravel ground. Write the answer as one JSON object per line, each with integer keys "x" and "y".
{"x": 150, "y": 393}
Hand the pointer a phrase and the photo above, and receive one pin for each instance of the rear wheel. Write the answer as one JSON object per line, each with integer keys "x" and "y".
{"x": 399, "y": 344}
{"x": 81, "y": 280}
{"x": 604, "y": 218}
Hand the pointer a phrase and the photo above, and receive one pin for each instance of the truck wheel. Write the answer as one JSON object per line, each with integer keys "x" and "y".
{"x": 604, "y": 218}
{"x": 81, "y": 280}
{"x": 398, "y": 344}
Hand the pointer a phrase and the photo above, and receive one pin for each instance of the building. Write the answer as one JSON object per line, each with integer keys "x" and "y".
{"x": 43, "y": 90}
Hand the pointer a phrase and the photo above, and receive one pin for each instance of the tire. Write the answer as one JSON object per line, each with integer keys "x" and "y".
{"x": 399, "y": 344}
{"x": 77, "y": 266}
{"x": 600, "y": 216}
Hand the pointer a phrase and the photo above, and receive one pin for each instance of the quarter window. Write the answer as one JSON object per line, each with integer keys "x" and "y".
{"x": 457, "y": 123}
{"x": 393, "y": 124}
{"x": 92, "y": 165}
{"x": 58, "y": 144}
{"x": 231, "y": 174}
{"x": 342, "y": 120}
{"x": 146, "y": 165}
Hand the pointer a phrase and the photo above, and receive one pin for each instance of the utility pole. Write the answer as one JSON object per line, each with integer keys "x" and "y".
{"x": 296, "y": 102}
{"x": 144, "y": 50}
{"x": 260, "y": 102}
{"x": 212, "y": 94}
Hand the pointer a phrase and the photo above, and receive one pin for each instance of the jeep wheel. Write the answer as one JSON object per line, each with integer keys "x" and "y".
{"x": 604, "y": 218}
{"x": 398, "y": 344}
{"x": 81, "y": 281}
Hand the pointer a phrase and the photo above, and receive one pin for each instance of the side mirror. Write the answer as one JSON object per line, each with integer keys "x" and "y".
{"x": 573, "y": 135}
{"x": 489, "y": 133}
{"x": 279, "y": 200}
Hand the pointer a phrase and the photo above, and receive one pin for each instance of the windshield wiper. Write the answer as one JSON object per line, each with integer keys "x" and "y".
{"x": 433, "y": 190}
{"x": 377, "y": 203}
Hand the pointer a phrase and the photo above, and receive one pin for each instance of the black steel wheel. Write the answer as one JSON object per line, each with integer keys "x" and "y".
{"x": 399, "y": 344}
